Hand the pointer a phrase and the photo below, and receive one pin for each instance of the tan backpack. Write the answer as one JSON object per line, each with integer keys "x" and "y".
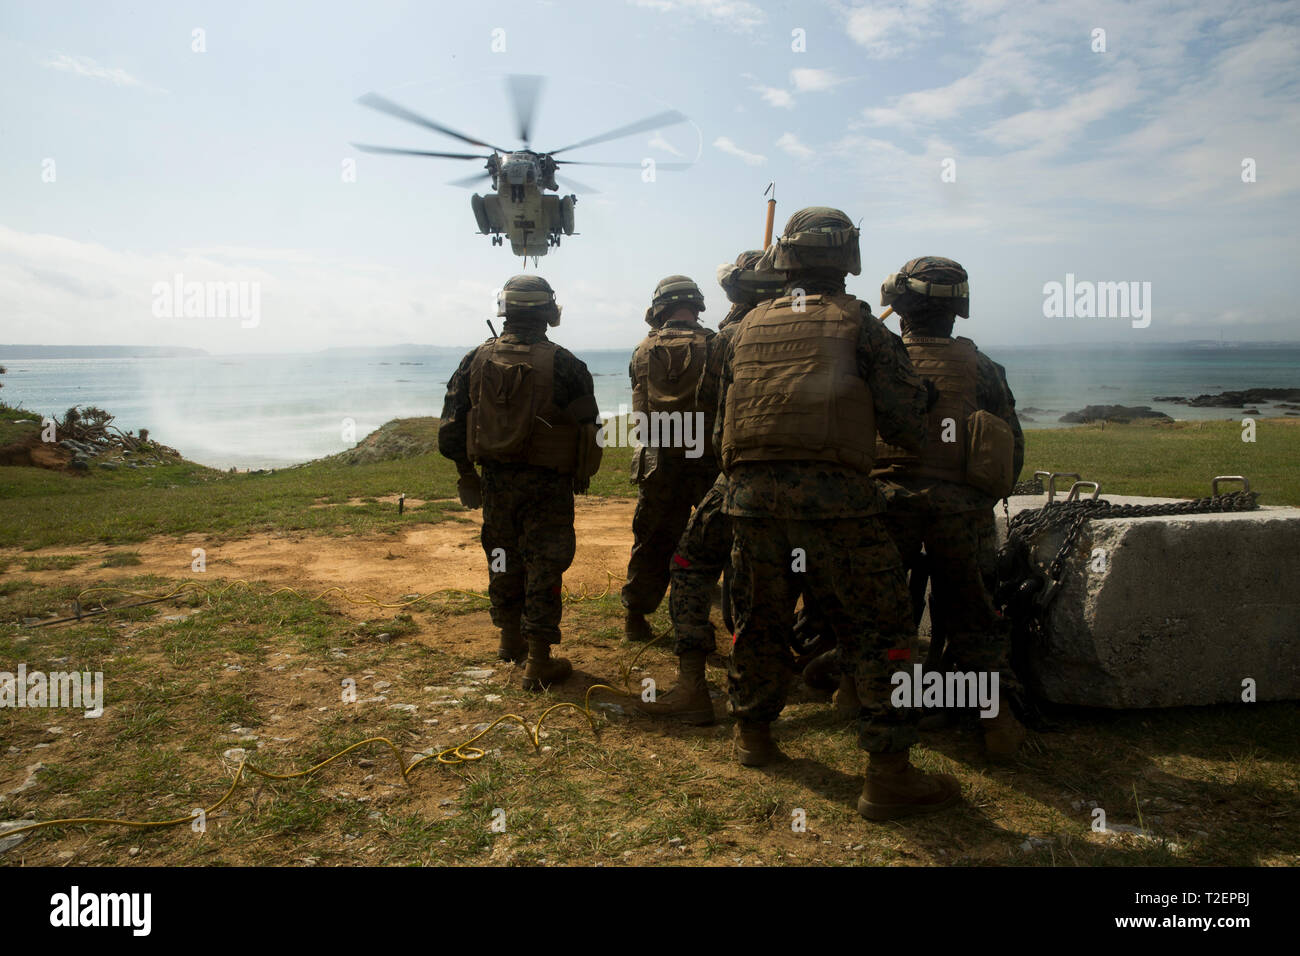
{"x": 513, "y": 417}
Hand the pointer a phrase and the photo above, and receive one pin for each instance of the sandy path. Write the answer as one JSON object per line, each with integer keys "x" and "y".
{"x": 422, "y": 559}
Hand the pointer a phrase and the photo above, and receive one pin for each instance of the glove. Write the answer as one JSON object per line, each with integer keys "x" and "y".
{"x": 470, "y": 490}
{"x": 580, "y": 485}
{"x": 931, "y": 394}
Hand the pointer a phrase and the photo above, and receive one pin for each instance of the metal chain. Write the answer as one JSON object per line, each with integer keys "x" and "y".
{"x": 1026, "y": 527}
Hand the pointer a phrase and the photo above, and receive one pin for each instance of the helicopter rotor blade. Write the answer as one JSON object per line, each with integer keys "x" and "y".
{"x": 470, "y": 181}
{"x": 525, "y": 91}
{"x": 574, "y": 184}
{"x": 581, "y": 162}
{"x": 377, "y": 102}
{"x": 667, "y": 118}
{"x": 393, "y": 150}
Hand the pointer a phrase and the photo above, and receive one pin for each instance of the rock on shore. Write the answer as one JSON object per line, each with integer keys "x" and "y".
{"x": 1113, "y": 413}
{"x": 1250, "y": 397}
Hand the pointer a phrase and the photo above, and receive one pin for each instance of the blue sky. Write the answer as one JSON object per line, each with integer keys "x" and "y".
{"x": 226, "y": 165}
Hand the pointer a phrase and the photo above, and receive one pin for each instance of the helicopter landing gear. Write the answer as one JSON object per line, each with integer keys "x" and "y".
{"x": 554, "y": 239}
{"x": 496, "y": 240}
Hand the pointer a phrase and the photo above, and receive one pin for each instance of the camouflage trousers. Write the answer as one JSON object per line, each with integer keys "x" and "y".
{"x": 852, "y": 570}
{"x": 663, "y": 506}
{"x": 958, "y": 546}
{"x": 529, "y": 542}
{"x": 701, "y": 555}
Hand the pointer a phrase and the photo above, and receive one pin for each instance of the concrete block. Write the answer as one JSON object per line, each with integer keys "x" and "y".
{"x": 1173, "y": 611}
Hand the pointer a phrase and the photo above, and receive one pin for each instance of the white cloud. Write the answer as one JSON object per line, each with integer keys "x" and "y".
{"x": 63, "y": 291}
{"x": 1053, "y": 128}
{"x": 85, "y": 66}
{"x": 738, "y": 14}
{"x": 724, "y": 144}
{"x": 887, "y": 29}
{"x": 775, "y": 96}
{"x": 813, "y": 81}
{"x": 791, "y": 144}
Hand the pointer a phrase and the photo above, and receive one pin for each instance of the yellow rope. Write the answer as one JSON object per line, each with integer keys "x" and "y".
{"x": 461, "y": 753}
{"x": 464, "y": 752}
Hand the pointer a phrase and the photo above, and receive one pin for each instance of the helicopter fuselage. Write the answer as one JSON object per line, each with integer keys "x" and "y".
{"x": 520, "y": 208}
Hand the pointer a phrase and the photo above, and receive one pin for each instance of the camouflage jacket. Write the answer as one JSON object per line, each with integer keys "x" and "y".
{"x": 819, "y": 490}
{"x": 706, "y": 393}
{"x": 572, "y": 381}
{"x": 992, "y": 394}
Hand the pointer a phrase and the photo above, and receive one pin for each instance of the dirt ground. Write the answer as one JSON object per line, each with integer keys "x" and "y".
{"x": 257, "y": 681}
{"x": 419, "y": 560}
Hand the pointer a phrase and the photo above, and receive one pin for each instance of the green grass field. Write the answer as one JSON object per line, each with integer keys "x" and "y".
{"x": 43, "y": 508}
{"x": 197, "y": 681}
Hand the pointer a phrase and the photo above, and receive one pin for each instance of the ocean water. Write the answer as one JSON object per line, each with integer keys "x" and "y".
{"x": 261, "y": 411}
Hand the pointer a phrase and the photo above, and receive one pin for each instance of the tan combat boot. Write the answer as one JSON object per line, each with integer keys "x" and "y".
{"x": 543, "y": 670}
{"x": 513, "y": 646}
{"x": 755, "y": 746}
{"x": 689, "y": 701}
{"x": 847, "y": 704}
{"x": 1003, "y": 735}
{"x": 894, "y": 788}
{"x": 636, "y": 628}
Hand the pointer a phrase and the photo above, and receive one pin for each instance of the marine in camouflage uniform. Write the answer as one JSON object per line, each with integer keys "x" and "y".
{"x": 665, "y": 371}
{"x": 807, "y": 380}
{"x": 932, "y": 505}
{"x": 525, "y": 410}
{"x": 705, "y": 545}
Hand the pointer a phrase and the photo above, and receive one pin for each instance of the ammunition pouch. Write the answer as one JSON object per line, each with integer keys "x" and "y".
{"x": 990, "y": 454}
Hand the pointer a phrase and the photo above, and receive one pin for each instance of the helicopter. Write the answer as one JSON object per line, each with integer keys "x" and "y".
{"x": 519, "y": 206}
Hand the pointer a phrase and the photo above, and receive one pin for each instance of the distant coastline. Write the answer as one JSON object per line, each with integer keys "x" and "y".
{"x": 14, "y": 353}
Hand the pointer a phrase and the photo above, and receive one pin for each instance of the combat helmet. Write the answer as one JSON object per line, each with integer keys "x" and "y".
{"x": 818, "y": 237}
{"x": 744, "y": 284}
{"x": 928, "y": 281}
{"x": 528, "y": 296}
{"x": 669, "y": 294}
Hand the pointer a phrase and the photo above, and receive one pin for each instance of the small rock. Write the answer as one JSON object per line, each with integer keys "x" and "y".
{"x": 9, "y": 842}
{"x": 134, "y": 851}
{"x": 384, "y": 638}
{"x": 365, "y": 762}
{"x": 382, "y": 684}
{"x": 479, "y": 674}
{"x": 32, "y": 771}
{"x": 66, "y": 854}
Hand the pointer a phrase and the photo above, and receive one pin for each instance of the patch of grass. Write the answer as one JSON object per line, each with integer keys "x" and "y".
{"x": 121, "y": 559}
{"x": 52, "y": 562}
{"x": 1175, "y": 460}
{"x": 16, "y": 424}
